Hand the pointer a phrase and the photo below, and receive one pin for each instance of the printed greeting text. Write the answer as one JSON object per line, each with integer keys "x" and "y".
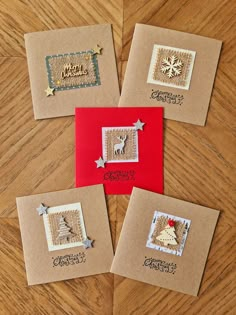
{"x": 167, "y": 97}
{"x": 160, "y": 265}
{"x": 67, "y": 260}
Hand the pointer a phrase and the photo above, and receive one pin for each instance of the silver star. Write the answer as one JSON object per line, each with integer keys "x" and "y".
{"x": 87, "y": 243}
{"x": 139, "y": 125}
{"x": 100, "y": 162}
{"x": 42, "y": 209}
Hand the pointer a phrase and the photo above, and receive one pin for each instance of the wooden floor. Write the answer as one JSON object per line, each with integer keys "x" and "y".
{"x": 38, "y": 156}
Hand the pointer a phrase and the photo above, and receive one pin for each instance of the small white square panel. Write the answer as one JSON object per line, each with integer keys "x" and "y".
{"x": 168, "y": 238}
{"x": 119, "y": 144}
{"x": 65, "y": 220}
{"x": 171, "y": 66}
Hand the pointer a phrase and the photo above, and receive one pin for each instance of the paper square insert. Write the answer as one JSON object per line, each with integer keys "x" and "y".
{"x": 171, "y": 67}
{"x": 72, "y": 70}
{"x": 64, "y": 226}
{"x": 120, "y": 144}
{"x": 168, "y": 233}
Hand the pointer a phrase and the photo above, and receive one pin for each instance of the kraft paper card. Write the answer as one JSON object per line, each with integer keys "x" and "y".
{"x": 74, "y": 66}
{"x": 172, "y": 69}
{"x": 165, "y": 242}
{"x": 120, "y": 148}
{"x": 65, "y": 234}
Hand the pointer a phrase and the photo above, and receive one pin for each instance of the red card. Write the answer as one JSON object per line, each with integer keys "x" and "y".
{"x": 120, "y": 148}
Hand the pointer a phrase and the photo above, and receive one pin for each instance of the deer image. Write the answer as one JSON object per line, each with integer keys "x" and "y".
{"x": 119, "y": 147}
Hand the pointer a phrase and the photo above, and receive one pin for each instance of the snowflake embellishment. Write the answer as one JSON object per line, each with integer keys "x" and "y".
{"x": 171, "y": 66}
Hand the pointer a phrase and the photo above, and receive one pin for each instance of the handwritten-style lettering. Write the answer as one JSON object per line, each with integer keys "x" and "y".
{"x": 71, "y": 70}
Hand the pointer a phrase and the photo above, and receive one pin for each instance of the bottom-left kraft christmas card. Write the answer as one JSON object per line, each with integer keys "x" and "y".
{"x": 65, "y": 234}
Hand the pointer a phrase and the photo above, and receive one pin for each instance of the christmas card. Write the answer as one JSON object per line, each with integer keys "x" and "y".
{"x": 165, "y": 241}
{"x": 120, "y": 147}
{"x": 172, "y": 69}
{"x": 65, "y": 234}
{"x": 71, "y": 66}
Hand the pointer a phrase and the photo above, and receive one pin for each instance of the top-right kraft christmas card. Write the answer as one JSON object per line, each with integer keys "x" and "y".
{"x": 171, "y": 69}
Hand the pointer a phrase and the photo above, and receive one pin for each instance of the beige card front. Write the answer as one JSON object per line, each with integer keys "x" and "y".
{"x": 49, "y": 260}
{"x": 69, "y": 61}
{"x": 171, "y": 69}
{"x": 158, "y": 265}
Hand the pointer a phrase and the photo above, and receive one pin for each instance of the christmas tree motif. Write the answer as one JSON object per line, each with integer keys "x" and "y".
{"x": 64, "y": 230}
{"x": 168, "y": 236}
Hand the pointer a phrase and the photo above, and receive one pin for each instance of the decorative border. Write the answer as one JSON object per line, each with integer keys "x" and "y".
{"x": 95, "y": 63}
{"x": 104, "y": 144}
{"x": 58, "y": 209}
{"x": 153, "y": 64}
{"x": 158, "y": 214}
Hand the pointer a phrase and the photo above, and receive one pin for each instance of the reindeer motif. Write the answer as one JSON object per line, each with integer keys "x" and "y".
{"x": 119, "y": 147}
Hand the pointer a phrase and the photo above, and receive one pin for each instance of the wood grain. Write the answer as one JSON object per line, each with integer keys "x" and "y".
{"x": 38, "y": 156}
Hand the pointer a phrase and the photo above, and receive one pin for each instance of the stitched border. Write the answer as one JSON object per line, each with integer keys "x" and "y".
{"x": 110, "y": 157}
{"x": 168, "y": 82}
{"x": 155, "y": 228}
{"x": 72, "y": 220}
{"x": 60, "y": 210}
{"x": 96, "y": 70}
{"x": 180, "y": 80}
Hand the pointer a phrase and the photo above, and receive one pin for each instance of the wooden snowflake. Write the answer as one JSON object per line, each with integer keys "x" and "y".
{"x": 171, "y": 66}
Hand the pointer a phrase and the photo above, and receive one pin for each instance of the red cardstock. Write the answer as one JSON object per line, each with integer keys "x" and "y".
{"x": 119, "y": 178}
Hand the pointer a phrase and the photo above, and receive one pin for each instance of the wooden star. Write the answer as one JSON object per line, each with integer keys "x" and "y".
{"x": 49, "y": 91}
{"x": 97, "y": 50}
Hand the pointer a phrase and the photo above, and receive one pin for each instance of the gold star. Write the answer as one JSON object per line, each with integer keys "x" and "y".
{"x": 87, "y": 57}
{"x": 97, "y": 50}
{"x": 58, "y": 82}
{"x": 49, "y": 91}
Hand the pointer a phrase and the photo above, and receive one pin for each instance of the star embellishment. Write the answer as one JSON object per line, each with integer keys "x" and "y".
{"x": 49, "y": 91}
{"x": 100, "y": 162}
{"x": 42, "y": 209}
{"x": 87, "y": 243}
{"x": 138, "y": 125}
{"x": 97, "y": 50}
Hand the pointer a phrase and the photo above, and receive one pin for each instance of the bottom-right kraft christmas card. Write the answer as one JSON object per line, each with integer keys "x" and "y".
{"x": 165, "y": 241}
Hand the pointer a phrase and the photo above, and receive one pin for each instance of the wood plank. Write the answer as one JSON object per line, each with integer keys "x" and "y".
{"x": 88, "y": 295}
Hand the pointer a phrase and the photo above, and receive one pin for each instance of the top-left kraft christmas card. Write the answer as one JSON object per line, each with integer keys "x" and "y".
{"x": 73, "y": 66}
